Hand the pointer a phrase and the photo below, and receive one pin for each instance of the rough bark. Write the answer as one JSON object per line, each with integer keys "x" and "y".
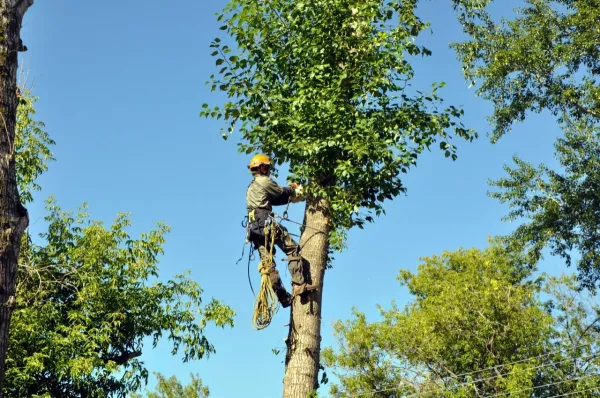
{"x": 13, "y": 216}
{"x": 304, "y": 338}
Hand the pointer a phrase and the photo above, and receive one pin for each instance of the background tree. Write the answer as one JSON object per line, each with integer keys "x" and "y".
{"x": 477, "y": 327}
{"x": 13, "y": 216}
{"x": 84, "y": 300}
{"x": 545, "y": 57}
{"x": 559, "y": 209}
{"x": 172, "y": 388}
{"x": 324, "y": 86}
{"x": 32, "y": 146}
{"x": 85, "y": 306}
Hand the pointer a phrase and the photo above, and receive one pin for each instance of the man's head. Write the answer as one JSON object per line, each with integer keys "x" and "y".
{"x": 260, "y": 164}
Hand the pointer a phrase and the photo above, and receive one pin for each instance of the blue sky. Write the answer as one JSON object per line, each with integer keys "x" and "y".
{"x": 121, "y": 84}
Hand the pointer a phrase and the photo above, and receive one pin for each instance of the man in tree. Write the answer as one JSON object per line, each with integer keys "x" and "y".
{"x": 264, "y": 233}
{"x": 325, "y": 87}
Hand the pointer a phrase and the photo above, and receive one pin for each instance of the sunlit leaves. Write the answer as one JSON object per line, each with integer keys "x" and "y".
{"x": 32, "y": 152}
{"x": 172, "y": 388}
{"x": 87, "y": 301}
{"x": 477, "y": 326}
{"x": 323, "y": 85}
{"x": 545, "y": 57}
{"x": 559, "y": 209}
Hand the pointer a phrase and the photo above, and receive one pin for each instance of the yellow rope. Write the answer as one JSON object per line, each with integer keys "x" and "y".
{"x": 266, "y": 304}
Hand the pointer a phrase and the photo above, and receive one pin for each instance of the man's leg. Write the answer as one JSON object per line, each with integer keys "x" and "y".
{"x": 296, "y": 263}
{"x": 265, "y": 257}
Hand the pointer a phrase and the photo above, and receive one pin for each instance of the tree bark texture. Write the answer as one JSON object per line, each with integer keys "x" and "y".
{"x": 304, "y": 338}
{"x": 13, "y": 216}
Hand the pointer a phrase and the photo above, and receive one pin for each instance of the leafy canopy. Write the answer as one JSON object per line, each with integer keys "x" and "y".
{"x": 172, "y": 388}
{"x": 559, "y": 209}
{"x": 325, "y": 85}
{"x": 88, "y": 296}
{"x": 85, "y": 305}
{"x": 546, "y": 58}
{"x": 477, "y": 327}
{"x": 32, "y": 147}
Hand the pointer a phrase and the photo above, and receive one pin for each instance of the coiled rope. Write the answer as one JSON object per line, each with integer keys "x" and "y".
{"x": 266, "y": 303}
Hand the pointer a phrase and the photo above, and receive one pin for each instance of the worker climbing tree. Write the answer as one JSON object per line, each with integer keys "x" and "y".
{"x": 264, "y": 233}
{"x": 325, "y": 87}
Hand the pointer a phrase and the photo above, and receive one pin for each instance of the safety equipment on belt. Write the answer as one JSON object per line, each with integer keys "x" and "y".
{"x": 258, "y": 220}
{"x": 259, "y": 160}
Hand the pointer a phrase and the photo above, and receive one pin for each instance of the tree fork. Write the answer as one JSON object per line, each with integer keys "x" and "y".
{"x": 304, "y": 337}
{"x": 13, "y": 216}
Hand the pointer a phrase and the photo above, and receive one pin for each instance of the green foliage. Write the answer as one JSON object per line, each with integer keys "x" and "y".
{"x": 559, "y": 209}
{"x": 545, "y": 58}
{"x": 85, "y": 305}
{"x": 88, "y": 298}
{"x": 32, "y": 144}
{"x": 472, "y": 309}
{"x": 172, "y": 388}
{"x": 324, "y": 85}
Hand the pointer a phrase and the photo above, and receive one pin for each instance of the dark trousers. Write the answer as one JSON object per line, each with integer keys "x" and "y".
{"x": 288, "y": 245}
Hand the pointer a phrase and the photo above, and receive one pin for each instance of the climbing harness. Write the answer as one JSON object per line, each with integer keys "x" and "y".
{"x": 266, "y": 303}
{"x": 285, "y": 217}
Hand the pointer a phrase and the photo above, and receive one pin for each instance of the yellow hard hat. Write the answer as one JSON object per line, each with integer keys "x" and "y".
{"x": 258, "y": 160}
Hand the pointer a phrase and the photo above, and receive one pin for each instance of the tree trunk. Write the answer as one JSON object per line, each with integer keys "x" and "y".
{"x": 13, "y": 216}
{"x": 304, "y": 338}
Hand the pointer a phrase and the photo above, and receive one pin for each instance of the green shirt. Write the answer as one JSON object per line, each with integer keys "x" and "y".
{"x": 264, "y": 193}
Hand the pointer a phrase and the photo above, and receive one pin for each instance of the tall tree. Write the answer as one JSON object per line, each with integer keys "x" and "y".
{"x": 84, "y": 301}
{"x": 325, "y": 86}
{"x": 86, "y": 304}
{"x": 545, "y": 57}
{"x": 13, "y": 216}
{"x": 477, "y": 326}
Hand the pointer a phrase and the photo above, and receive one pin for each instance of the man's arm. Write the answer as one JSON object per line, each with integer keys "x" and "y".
{"x": 278, "y": 195}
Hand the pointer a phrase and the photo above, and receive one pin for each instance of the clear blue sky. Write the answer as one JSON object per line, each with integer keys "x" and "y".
{"x": 121, "y": 84}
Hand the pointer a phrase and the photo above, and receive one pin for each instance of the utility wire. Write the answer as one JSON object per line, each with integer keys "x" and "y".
{"x": 574, "y": 392}
{"x": 533, "y": 368}
{"x": 516, "y": 362}
{"x": 367, "y": 393}
{"x": 495, "y": 395}
{"x": 466, "y": 383}
{"x": 544, "y": 385}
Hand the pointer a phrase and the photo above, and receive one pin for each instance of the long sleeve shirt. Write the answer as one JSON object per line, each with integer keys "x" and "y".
{"x": 264, "y": 193}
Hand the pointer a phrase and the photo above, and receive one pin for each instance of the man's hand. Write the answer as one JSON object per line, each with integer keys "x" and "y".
{"x": 294, "y": 185}
{"x": 298, "y": 193}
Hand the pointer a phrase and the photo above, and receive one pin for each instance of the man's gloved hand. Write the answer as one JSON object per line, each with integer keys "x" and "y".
{"x": 298, "y": 193}
{"x": 294, "y": 185}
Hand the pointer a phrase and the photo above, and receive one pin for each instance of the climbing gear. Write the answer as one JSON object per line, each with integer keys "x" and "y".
{"x": 267, "y": 302}
{"x": 257, "y": 221}
{"x": 284, "y": 217}
{"x": 259, "y": 160}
